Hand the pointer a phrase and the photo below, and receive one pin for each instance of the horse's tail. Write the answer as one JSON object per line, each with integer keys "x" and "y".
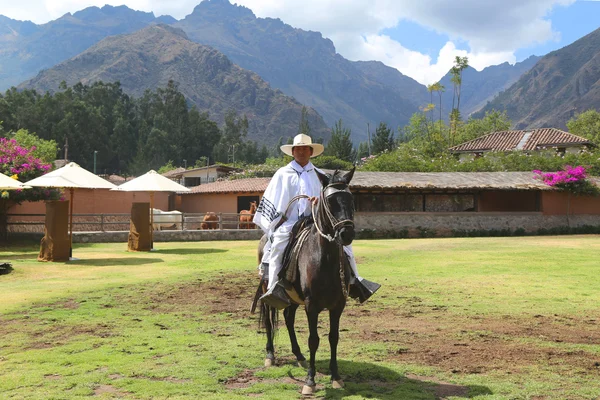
{"x": 268, "y": 319}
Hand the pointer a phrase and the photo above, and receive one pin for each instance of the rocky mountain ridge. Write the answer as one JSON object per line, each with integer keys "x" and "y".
{"x": 151, "y": 57}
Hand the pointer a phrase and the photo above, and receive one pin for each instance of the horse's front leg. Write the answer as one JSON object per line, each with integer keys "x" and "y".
{"x": 290, "y": 318}
{"x": 313, "y": 345}
{"x": 334, "y": 336}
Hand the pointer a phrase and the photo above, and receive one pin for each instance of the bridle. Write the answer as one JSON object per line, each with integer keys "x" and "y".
{"x": 333, "y": 189}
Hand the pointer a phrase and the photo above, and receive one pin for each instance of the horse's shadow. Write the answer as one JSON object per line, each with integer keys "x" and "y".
{"x": 374, "y": 381}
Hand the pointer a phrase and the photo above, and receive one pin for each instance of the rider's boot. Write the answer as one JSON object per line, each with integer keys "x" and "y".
{"x": 276, "y": 297}
{"x": 361, "y": 289}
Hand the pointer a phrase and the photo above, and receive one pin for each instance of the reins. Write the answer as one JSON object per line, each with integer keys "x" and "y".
{"x": 334, "y": 222}
{"x": 328, "y": 214}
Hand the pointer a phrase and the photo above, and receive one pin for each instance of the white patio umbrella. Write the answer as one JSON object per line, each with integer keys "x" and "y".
{"x": 8, "y": 183}
{"x": 71, "y": 176}
{"x": 151, "y": 182}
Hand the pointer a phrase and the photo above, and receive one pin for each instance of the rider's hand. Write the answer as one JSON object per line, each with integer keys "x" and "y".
{"x": 313, "y": 200}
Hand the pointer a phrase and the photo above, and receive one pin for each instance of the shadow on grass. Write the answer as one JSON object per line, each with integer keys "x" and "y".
{"x": 377, "y": 382}
{"x": 123, "y": 262}
{"x": 187, "y": 251}
{"x": 21, "y": 256}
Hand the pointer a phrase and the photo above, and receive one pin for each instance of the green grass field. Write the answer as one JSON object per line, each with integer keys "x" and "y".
{"x": 483, "y": 318}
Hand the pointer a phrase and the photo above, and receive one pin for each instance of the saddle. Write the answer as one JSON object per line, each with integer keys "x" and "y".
{"x": 289, "y": 272}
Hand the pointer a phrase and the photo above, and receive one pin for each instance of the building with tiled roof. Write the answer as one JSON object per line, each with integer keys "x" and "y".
{"x": 442, "y": 201}
{"x": 530, "y": 140}
{"x": 201, "y": 175}
{"x": 250, "y": 185}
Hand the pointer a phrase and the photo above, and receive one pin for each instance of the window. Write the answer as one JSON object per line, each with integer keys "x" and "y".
{"x": 192, "y": 181}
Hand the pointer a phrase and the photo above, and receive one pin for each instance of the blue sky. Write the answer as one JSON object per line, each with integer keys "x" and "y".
{"x": 419, "y": 38}
{"x": 570, "y": 22}
{"x": 573, "y": 22}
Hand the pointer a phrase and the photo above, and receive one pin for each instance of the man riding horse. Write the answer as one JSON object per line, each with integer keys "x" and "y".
{"x": 297, "y": 178}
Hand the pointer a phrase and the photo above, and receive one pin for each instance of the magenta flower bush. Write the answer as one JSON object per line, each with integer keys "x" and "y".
{"x": 18, "y": 162}
{"x": 571, "y": 179}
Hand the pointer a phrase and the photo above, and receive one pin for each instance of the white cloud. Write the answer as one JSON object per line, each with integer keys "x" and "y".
{"x": 492, "y": 29}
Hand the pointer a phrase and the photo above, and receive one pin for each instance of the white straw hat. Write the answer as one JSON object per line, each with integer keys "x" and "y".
{"x": 303, "y": 140}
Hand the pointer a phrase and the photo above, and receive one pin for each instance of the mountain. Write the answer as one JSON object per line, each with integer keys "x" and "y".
{"x": 561, "y": 84}
{"x": 480, "y": 87}
{"x": 27, "y": 48}
{"x": 150, "y": 57}
{"x": 302, "y": 64}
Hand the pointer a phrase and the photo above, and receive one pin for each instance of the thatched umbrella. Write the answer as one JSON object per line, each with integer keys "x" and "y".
{"x": 71, "y": 177}
{"x": 8, "y": 183}
{"x": 152, "y": 182}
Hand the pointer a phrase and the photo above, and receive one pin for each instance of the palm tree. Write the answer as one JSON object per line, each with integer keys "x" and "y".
{"x": 439, "y": 88}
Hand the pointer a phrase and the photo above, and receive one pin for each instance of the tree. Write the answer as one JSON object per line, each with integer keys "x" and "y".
{"x": 362, "y": 150}
{"x": 493, "y": 121}
{"x": 587, "y": 125}
{"x": 44, "y": 150}
{"x": 304, "y": 126}
{"x": 20, "y": 163}
{"x": 439, "y": 88}
{"x": 460, "y": 63}
{"x": 383, "y": 140}
{"x": 340, "y": 144}
{"x": 167, "y": 167}
{"x": 235, "y": 130}
{"x": 331, "y": 162}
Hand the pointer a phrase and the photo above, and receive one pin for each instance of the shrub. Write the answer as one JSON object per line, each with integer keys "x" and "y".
{"x": 570, "y": 179}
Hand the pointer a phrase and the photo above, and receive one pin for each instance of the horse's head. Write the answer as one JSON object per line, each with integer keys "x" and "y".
{"x": 338, "y": 205}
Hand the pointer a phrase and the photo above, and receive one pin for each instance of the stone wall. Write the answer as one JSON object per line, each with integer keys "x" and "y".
{"x": 170, "y": 236}
{"x": 443, "y": 224}
{"x": 375, "y": 225}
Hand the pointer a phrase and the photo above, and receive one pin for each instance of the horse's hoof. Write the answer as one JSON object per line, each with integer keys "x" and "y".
{"x": 308, "y": 390}
{"x": 337, "y": 384}
{"x": 303, "y": 364}
{"x": 268, "y": 362}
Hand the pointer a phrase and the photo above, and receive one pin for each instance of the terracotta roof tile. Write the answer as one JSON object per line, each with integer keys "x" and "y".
{"x": 232, "y": 186}
{"x": 509, "y": 140}
{"x": 174, "y": 172}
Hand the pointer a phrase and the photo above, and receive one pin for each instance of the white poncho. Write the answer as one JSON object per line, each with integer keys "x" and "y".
{"x": 288, "y": 182}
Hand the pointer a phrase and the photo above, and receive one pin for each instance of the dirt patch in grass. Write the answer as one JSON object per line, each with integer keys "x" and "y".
{"x": 247, "y": 378}
{"x": 108, "y": 390}
{"x": 473, "y": 345}
{"x": 57, "y": 335}
{"x": 430, "y": 335}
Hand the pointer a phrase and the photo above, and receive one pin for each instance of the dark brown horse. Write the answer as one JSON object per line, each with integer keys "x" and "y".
{"x": 323, "y": 275}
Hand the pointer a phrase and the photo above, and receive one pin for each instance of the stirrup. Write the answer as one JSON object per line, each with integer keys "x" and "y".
{"x": 362, "y": 289}
{"x": 276, "y": 297}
